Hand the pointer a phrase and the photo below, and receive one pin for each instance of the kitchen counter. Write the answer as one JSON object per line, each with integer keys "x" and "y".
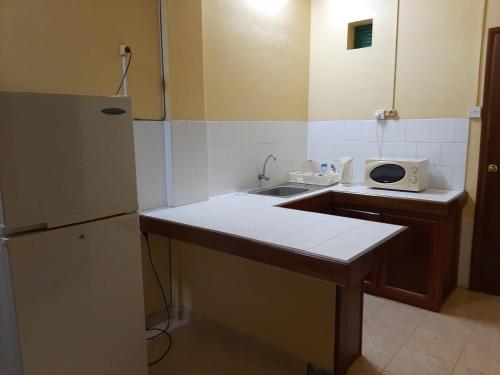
{"x": 258, "y": 218}
{"x": 337, "y": 249}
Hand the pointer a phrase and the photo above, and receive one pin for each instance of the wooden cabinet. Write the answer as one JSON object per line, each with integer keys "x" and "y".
{"x": 423, "y": 272}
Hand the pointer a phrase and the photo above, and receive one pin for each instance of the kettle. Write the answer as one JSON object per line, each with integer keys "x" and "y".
{"x": 346, "y": 171}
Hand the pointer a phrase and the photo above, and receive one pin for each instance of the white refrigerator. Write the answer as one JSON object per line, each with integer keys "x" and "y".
{"x": 71, "y": 295}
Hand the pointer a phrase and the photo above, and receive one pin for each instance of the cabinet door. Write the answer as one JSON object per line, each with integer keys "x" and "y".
{"x": 79, "y": 299}
{"x": 410, "y": 268}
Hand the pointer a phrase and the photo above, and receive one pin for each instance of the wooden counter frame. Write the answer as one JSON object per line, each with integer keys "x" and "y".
{"x": 347, "y": 275}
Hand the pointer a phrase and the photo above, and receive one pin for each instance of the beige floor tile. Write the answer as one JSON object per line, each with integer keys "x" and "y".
{"x": 486, "y": 333}
{"x": 269, "y": 367}
{"x": 371, "y": 304}
{"x": 466, "y": 304}
{"x": 407, "y": 314}
{"x": 191, "y": 368}
{"x": 434, "y": 344}
{"x": 383, "y": 325}
{"x": 226, "y": 355}
{"x": 449, "y": 327}
{"x": 378, "y": 350}
{"x": 409, "y": 362}
{"x": 464, "y": 371}
{"x": 480, "y": 358}
{"x": 363, "y": 367}
{"x": 188, "y": 342}
{"x": 491, "y": 311}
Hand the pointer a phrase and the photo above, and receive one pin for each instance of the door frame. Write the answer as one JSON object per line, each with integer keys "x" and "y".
{"x": 483, "y": 161}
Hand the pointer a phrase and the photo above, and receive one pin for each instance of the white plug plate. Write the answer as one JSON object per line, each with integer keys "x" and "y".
{"x": 474, "y": 112}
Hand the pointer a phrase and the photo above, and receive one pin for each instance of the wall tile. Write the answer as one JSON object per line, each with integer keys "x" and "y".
{"x": 150, "y": 158}
{"x": 440, "y": 177}
{"x": 354, "y": 130}
{"x": 453, "y": 154}
{"x": 220, "y": 134}
{"x": 393, "y": 130}
{"x": 405, "y": 149}
{"x": 442, "y": 130}
{"x": 148, "y": 136}
{"x": 218, "y": 158}
{"x": 235, "y": 162}
{"x": 431, "y": 151}
{"x": 458, "y": 177}
{"x": 150, "y": 165}
{"x": 197, "y": 134}
{"x": 442, "y": 141}
{"x": 151, "y": 194}
{"x": 461, "y": 130}
{"x": 370, "y": 130}
{"x": 250, "y": 133}
{"x": 418, "y": 130}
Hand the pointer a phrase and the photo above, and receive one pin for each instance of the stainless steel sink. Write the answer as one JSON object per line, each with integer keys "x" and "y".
{"x": 285, "y": 190}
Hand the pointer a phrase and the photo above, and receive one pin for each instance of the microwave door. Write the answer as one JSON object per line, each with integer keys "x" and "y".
{"x": 388, "y": 174}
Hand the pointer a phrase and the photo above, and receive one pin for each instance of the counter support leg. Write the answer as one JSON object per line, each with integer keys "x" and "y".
{"x": 348, "y": 326}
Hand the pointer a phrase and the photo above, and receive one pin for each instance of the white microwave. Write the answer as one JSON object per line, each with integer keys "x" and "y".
{"x": 397, "y": 174}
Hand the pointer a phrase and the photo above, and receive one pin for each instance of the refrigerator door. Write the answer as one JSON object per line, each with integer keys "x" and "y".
{"x": 78, "y": 299}
{"x": 64, "y": 159}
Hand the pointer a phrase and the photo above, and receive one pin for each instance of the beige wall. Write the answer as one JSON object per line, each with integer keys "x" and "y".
{"x": 287, "y": 310}
{"x": 73, "y": 47}
{"x": 185, "y": 60}
{"x": 438, "y": 57}
{"x": 424, "y": 58}
{"x": 153, "y": 299}
{"x": 351, "y": 84}
{"x": 256, "y": 59}
{"x": 233, "y": 60}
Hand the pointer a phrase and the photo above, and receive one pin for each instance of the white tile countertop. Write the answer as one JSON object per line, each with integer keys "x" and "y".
{"x": 256, "y": 217}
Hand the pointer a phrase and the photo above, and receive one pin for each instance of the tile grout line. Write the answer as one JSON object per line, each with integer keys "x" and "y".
{"x": 476, "y": 322}
{"x": 404, "y": 342}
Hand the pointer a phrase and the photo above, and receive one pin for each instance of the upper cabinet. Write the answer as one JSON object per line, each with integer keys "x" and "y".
{"x": 345, "y": 82}
{"x": 439, "y": 44}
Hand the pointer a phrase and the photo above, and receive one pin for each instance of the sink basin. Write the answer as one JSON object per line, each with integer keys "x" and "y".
{"x": 285, "y": 191}
{"x": 282, "y": 191}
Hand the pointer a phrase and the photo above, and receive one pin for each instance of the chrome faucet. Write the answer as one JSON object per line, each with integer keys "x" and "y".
{"x": 263, "y": 175}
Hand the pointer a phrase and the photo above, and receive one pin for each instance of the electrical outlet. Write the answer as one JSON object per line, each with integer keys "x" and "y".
{"x": 474, "y": 112}
{"x": 123, "y": 50}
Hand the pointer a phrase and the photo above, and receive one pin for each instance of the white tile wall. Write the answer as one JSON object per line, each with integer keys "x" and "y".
{"x": 150, "y": 164}
{"x": 187, "y": 166}
{"x": 442, "y": 141}
{"x": 237, "y": 149}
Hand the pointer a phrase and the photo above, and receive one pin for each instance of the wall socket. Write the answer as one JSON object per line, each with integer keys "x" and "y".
{"x": 123, "y": 50}
{"x": 474, "y": 112}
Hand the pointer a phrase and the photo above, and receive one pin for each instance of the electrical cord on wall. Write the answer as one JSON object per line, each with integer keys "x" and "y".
{"x": 129, "y": 51}
{"x": 161, "y": 331}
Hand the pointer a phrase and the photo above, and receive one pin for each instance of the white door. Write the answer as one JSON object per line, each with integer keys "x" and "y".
{"x": 63, "y": 160}
{"x": 79, "y": 299}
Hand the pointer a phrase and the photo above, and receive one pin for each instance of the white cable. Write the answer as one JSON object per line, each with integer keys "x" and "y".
{"x": 379, "y": 144}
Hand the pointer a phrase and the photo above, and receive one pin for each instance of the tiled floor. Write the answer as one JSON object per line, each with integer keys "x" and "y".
{"x": 464, "y": 339}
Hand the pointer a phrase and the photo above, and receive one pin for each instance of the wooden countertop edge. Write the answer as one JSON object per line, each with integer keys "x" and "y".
{"x": 342, "y": 273}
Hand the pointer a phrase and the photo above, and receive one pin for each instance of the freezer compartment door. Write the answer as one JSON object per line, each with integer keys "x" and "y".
{"x": 64, "y": 159}
{"x": 79, "y": 299}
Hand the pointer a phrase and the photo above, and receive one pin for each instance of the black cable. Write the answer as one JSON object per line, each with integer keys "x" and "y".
{"x": 126, "y": 71}
{"x": 162, "y": 331}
